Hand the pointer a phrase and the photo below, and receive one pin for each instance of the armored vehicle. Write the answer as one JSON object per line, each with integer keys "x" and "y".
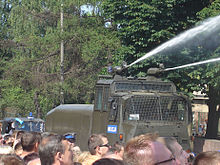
{"x": 125, "y": 107}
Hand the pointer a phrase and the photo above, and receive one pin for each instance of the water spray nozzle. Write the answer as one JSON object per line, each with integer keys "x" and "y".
{"x": 119, "y": 70}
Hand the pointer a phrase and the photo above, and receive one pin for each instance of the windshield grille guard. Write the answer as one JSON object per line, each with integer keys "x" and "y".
{"x": 149, "y": 108}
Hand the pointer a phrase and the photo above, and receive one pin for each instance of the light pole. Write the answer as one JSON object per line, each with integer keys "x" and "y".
{"x": 61, "y": 58}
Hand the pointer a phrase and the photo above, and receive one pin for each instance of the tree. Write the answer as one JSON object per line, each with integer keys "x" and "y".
{"x": 34, "y": 70}
{"x": 144, "y": 25}
{"x": 5, "y": 53}
{"x": 210, "y": 75}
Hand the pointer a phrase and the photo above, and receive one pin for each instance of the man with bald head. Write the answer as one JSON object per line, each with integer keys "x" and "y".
{"x": 176, "y": 149}
{"x": 145, "y": 150}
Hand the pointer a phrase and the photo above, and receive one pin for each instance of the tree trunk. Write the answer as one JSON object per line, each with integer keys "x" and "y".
{"x": 37, "y": 105}
{"x": 212, "y": 127}
{"x": 213, "y": 115}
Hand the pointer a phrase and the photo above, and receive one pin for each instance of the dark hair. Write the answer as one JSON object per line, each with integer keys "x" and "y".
{"x": 19, "y": 134}
{"x": 116, "y": 147}
{"x": 11, "y": 159}
{"x": 94, "y": 141}
{"x": 211, "y": 158}
{"x": 17, "y": 146}
{"x": 46, "y": 136}
{"x": 109, "y": 161}
{"x": 30, "y": 157}
{"x": 6, "y": 137}
{"x": 48, "y": 150}
{"x": 28, "y": 141}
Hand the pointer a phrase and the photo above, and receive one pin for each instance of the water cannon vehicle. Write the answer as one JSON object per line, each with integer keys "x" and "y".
{"x": 125, "y": 107}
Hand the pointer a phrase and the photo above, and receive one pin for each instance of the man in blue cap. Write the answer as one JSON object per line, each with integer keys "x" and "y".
{"x": 70, "y": 137}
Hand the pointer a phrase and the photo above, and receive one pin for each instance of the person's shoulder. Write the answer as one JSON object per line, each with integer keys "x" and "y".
{"x": 90, "y": 159}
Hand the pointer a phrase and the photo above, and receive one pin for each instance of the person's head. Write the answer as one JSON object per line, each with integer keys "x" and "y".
{"x": 9, "y": 140}
{"x": 19, "y": 134}
{"x": 18, "y": 149}
{"x": 76, "y": 152}
{"x": 47, "y": 136}
{"x": 11, "y": 159}
{"x": 144, "y": 150}
{"x": 176, "y": 149}
{"x": 55, "y": 152}
{"x": 119, "y": 149}
{"x": 71, "y": 137}
{"x": 5, "y": 149}
{"x": 116, "y": 151}
{"x": 98, "y": 144}
{"x": 29, "y": 141}
{"x": 210, "y": 158}
{"x": 108, "y": 161}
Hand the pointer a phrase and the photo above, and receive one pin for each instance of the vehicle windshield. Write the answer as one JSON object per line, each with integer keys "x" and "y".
{"x": 35, "y": 126}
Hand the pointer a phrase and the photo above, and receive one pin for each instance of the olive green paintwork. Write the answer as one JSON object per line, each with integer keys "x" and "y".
{"x": 71, "y": 118}
{"x": 131, "y": 106}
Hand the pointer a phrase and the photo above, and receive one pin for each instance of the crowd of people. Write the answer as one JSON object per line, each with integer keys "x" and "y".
{"x": 30, "y": 148}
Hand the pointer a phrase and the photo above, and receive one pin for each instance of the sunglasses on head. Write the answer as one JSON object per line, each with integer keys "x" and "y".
{"x": 104, "y": 145}
{"x": 168, "y": 160}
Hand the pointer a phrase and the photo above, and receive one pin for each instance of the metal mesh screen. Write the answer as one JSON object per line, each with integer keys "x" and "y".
{"x": 168, "y": 108}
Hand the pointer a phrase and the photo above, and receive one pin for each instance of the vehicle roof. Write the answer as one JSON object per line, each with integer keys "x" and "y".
{"x": 22, "y": 118}
{"x": 105, "y": 82}
{"x": 67, "y": 108}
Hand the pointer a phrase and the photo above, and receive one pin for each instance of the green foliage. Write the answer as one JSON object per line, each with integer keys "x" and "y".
{"x": 17, "y": 98}
{"x": 144, "y": 25}
{"x": 209, "y": 76}
{"x": 35, "y": 31}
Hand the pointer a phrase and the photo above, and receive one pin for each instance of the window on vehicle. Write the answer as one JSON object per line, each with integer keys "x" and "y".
{"x": 180, "y": 111}
{"x": 105, "y": 98}
{"x": 99, "y": 94}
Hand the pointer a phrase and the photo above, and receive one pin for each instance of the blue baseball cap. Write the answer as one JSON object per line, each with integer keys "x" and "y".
{"x": 71, "y": 137}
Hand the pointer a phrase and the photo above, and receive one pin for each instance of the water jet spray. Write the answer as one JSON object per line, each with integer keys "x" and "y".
{"x": 193, "y": 64}
{"x": 205, "y": 29}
